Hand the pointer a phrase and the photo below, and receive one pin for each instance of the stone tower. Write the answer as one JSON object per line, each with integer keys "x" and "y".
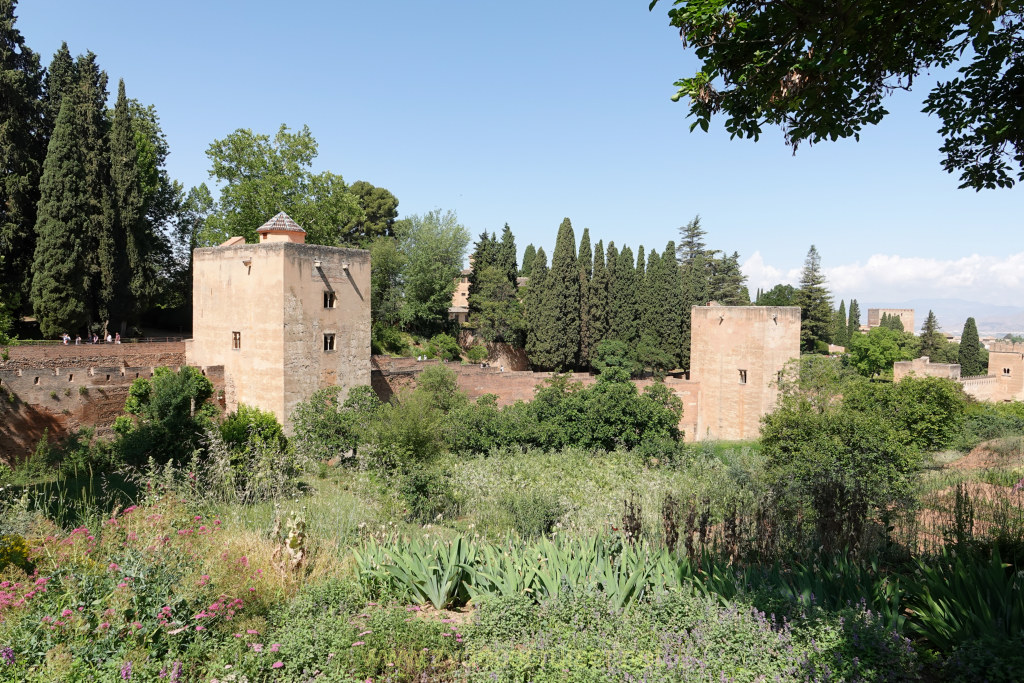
{"x": 283, "y": 317}
{"x": 737, "y": 355}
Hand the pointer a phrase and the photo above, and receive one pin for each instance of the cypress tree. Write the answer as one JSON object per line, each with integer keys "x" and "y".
{"x": 59, "y": 274}
{"x": 60, "y": 78}
{"x": 641, "y": 267}
{"x": 586, "y": 256}
{"x": 562, "y": 302}
{"x": 484, "y": 256}
{"x": 649, "y": 288}
{"x": 537, "y": 338}
{"x": 506, "y": 256}
{"x": 815, "y": 303}
{"x": 22, "y": 152}
{"x": 839, "y": 327}
{"x": 931, "y": 339}
{"x": 611, "y": 263}
{"x": 131, "y": 275}
{"x": 586, "y": 269}
{"x": 528, "y": 255}
{"x": 669, "y": 293}
{"x": 624, "y": 299}
{"x": 854, "y": 326}
{"x": 970, "y": 351}
{"x": 597, "y": 301}
{"x": 101, "y": 256}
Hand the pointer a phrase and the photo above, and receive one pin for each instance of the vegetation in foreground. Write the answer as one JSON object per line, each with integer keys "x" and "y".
{"x": 522, "y": 554}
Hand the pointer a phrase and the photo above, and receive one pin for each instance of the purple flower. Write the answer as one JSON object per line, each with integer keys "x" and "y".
{"x": 7, "y": 655}
{"x": 126, "y": 671}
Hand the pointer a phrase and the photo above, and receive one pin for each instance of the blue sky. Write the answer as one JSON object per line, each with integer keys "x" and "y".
{"x": 530, "y": 111}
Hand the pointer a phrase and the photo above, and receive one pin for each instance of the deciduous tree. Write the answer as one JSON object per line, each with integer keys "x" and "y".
{"x": 821, "y": 71}
{"x": 435, "y": 245}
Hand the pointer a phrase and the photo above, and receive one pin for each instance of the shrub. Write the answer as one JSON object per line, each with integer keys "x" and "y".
{"x": 386, "y": 339}
{"x": 477, "y": 353}
{"x": 326, "y": 427}
{"x": 441, "y": 386}
{"x": 444, "y": 346}
{"x": 531, "y": 512}
{"x": 427, "y": 494}
{"x": 249, "y": 425}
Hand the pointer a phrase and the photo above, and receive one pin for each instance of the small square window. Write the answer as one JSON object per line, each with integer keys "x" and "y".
{"x": 330, "y": 300}
{"x": 743, "y": 376}
{"x": 1006, "y": 371}
{"x": 328, "y": 342}
{"x": 236, "y": 340}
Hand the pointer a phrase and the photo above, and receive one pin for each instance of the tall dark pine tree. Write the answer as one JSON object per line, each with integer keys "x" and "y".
{"x": 585, "y": 258}
{"x": 598, "y": 302}
{"x": 691, "y": 241}
{"x": 562, "y": 302}
{"x": 641, "y": 265}
{"x": 728, "y": 283}
{"x": 854, "y": 325}
{"x": 931, "y": 339}
{"x": 815, "y": 303}
{"x": 970, "y": 351}
{"x": 22, "y": 152}
{"x": 649, "y": 291}
{"x": 132, "y": 276}
{"x": 528, "y": 255}
{"x": 59, "y": 276}
{"x": 506, "y": 256}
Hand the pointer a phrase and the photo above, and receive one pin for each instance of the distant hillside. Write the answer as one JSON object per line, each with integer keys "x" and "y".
{"x": 952, "y": 313}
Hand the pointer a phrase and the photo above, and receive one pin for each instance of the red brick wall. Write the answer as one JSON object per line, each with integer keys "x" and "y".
{"x": 156, "y": 354}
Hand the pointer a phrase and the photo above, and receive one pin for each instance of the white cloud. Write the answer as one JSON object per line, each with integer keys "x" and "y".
{"x": 886, "y": 277}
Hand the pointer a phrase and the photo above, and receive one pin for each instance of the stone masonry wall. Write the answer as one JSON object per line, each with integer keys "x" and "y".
{"x": 60, "y": 400}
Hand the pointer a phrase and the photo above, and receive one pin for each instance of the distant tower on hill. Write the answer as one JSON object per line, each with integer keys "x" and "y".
{"x": 283, "y": 317}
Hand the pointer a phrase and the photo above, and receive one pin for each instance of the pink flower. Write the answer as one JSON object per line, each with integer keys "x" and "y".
{"x": 104, "y": 626}
{"x": 136, "y": 625}
{"x": 112, "y": 566}
{"x": 256, "y": 647}
{"x": 65, "y": 613}
{"x": 366, "y": 632}
{"x": 200, "y": 628}
{"x": 252, "y": 632}
{"x": 237, "y": 635}
{"x": 277, "y": 665}
{"x": 275, "y": 647}
{"x": 358, "y": 643}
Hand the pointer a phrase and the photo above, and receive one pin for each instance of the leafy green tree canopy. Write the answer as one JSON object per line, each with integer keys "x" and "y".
{"x": 260, "y": 176}
{"x": 821, "y": 71}
{"x": 875, "y": 352}
{"x": 435, "y": 245}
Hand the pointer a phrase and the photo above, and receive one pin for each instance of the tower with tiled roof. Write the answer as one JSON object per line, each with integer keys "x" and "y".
{"x": 283, "y": 317}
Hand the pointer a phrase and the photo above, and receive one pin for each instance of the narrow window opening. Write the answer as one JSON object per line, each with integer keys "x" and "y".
{"x": 328, "y": 342}
{"x": 37, "y": 381}
{"x": 1006, "y": 371}
{"x": 330, "y": 300}
{"x": 108, "y": 378}
{"x": 236, "y": 340}
{"x": 743, "y": 376}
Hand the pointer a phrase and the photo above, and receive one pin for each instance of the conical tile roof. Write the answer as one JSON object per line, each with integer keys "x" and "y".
{"x": 282, "y": 222}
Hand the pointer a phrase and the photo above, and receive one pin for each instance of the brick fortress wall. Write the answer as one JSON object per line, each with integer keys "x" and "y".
{"x": 391, "y": 376}
{"x": 60, "y": 388}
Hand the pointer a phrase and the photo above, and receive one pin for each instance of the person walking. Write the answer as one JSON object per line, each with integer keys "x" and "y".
{"x": 66, "y": 338}
{"x": 78, "y": 339}
{"x": 117, "y": 338}
{"x": 109, "y": 338}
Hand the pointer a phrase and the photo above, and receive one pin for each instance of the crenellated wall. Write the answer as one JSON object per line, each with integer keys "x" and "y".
{"x": 61, "y": 399}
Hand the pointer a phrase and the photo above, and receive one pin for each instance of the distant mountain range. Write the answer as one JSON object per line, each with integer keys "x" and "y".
{"x": 992, "y": 320}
